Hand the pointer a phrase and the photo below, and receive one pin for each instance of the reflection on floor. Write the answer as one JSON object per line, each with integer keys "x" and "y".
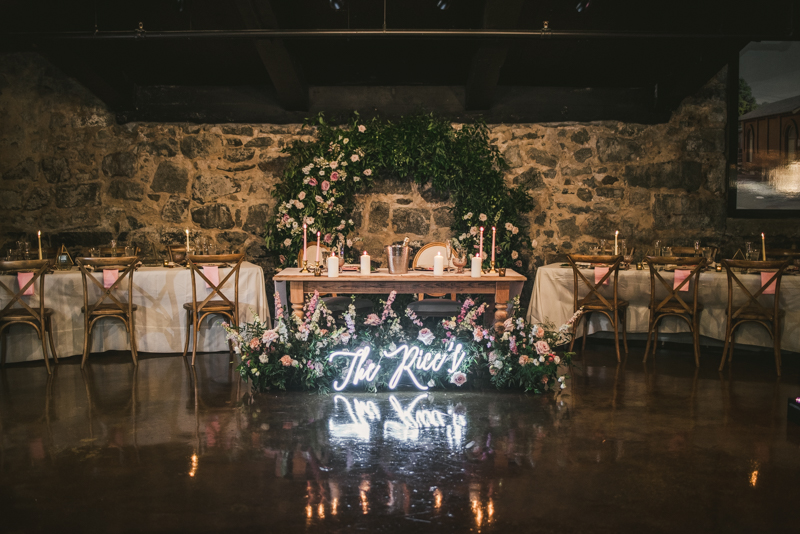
{"x": 662, "y": 447}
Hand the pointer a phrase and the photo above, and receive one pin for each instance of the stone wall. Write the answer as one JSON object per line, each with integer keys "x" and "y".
{"x": 68, "y": 169}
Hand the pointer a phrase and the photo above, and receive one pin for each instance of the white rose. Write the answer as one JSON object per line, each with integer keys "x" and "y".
{"x": 515, "y": 231}
{"x": 301, "y": 195}
{"x": 557, "y": 360}
{"x": 563, "y": 386}
{"x": 345, "y": 141}
{"x": 514, "y": 254}
{"x": 354, "y": 158}
{"x": 468, "y": 216}
{"x": 287, "y": 242}
{"x": 509, "y": 226}
{"x": 356, "y": 178}
{"x": 482, "y": 217}
{"x": 368, "y": 172}
{"x": 263, "y": 358}
{"x": 498, "y": 364}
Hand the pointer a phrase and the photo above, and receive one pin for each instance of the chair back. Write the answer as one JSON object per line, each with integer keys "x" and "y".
{"x": 710, "y": 253}
{"x": 126, "y": 265}
{"x": 311, "y": 254}
{"x": 659, "y": 298}
{"x": 176, "y": 253}
{"x": 595, "y": 294}
{"x": 39, "y": 268}
{"x": 783, "y": 254}
{"x": 196, "y": 263}
{"x": 754, "y": 301}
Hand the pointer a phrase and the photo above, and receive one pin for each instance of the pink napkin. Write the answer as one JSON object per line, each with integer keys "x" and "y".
{"x": 680, "y": 276}
{"x": 599, "y": 273}
{"x": 109, "y": 277}
{"x": 212, "y": 273}
{"x": 24, "y": 278}
{"x": 764, "y": 279}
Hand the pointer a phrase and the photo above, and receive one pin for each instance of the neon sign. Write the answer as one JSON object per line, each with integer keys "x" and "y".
{"x": 410, "y": 359}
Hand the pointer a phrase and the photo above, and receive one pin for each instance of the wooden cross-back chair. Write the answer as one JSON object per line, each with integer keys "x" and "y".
{"x": 216, "y": 302}
{"x": 753, "y": 311}
{"x": 39, "y": 317}
{"x": 783, "y": 254}
{"x": 674, "y": 304}
{"x": 437, "y": 306}
{"x": 108, "y": 305}
{"x": 595, "y": 302}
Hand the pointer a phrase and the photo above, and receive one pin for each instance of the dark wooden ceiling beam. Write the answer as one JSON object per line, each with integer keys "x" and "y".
{"x": 285, "y": 73}
{"x": 490, "y": 57}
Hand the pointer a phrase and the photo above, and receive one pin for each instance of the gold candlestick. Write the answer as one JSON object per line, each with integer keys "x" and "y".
{"x": 492, "y": 269}
{"x": 305, "y": 267}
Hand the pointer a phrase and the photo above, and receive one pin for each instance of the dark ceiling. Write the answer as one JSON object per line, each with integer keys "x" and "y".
{"x": 215, "y": 61}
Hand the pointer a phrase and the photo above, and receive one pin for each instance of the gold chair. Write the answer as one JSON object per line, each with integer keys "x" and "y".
{"x": 673, "y": 304}
{"x": 753, "y": 310}
{"x": 595, "y": 302}
{"x": 39, "y": 318}
{"x": 176, "y": 253}
{"x": 216, "y": 303}
{"x": 117, "y": 308}
{"x": 438, "y": 306}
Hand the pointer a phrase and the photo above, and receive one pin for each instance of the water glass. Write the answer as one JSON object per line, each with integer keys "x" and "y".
{"x": 657, "y": 247}
{"x": 212, "y": 249}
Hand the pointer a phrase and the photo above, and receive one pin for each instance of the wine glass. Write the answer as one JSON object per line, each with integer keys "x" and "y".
{"x": 602, "y": 246}
{"x": 448, "y": 248}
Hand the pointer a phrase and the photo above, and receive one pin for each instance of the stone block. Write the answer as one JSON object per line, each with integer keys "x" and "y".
{"x": 74, "y": 196}
{"x": 56, "y": 170}
{"x": 165, "y": 148}
{"x": 585, "y": 194}
{"x": 236, "y": 168}
{"x": 176, "y": 209}
{"x": 542, "y": 158}
{"x": 583, "y": 154}
{"x": 24, "y": 170}
{"x": 568, "y": 228}
{"x": 540, "y": 219}
{"x": 404, "y": 201}
{"x": 238, "y": 155}
{"x": 704, "y": 141}
{"x": 274, "y": 166}
{"x": 431, "y": 195}
{"x": 639, "y": 198}
{"x": 206, "y": 188}
{"x": 237, "y": 129}
{"x": 119, "y": 164}
{"x": 260, "y": 142}
{"x": 213, "y": 216}
{"x": 609, "y": 192}
{"x": 232, "y": 141}
{"x": 691, "y": 212}
{"x": 257, "y": 217}
{"x": 443, "y": 217}
{"x": 37, "y": 199}
{"x": 170, "y": 178}
{"x": 153, "y": 197}
{"x": 576, "y": 171}
{"x": 199, "y": 146}
{"x": 580, "y": 137}
{"x": 685, "y": 174}
{"x": 530, "y": 179}
{"x": 126, "y": 190}
{"x": 617, "y": 149}
{"x": 411, "y": 221}
{"x": 392, "y": 187}
{"x": 513, "y": 157}
{"x": 609, "y": 180}
{"x": 232, "y": 242}
{"x": 379, "y": 217}
{"x": 10, "y": 200}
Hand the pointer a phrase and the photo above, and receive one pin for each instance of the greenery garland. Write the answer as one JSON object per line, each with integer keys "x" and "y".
{"x": 323, "y": 177}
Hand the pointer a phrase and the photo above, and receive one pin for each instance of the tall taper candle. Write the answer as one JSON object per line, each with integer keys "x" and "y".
{"x": 187, "y": 241}
{"x": 40, "y": 244}
{"x": 480, "y": 248}
{"x": 494, "y": 233}
{"x": 763, "y": 248}
{"x": 616, "y": 241}
{"x": 305, "y": 241}
{"x": 318, "y": 249}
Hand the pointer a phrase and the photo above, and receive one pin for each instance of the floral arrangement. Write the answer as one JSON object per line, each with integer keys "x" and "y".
{"x": 323, "y": 176}
{"x": 296, "y": 351}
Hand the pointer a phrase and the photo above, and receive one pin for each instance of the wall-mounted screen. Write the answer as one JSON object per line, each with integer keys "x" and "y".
{"x": 768, "y": 151}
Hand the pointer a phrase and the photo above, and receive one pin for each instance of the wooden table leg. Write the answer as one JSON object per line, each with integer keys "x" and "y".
{"x": 296, "y": 297}
{"x": 501, "y": 293}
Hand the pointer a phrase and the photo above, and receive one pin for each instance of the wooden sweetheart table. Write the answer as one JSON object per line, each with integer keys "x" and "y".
{"x": 503, "y": 288}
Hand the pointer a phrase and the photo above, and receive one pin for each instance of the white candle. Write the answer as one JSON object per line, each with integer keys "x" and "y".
{"x": 763, "y": 248}
{"x": 480, "y": 247}
{"x": 305, "y": 241}
{"x": 333, "y": 265}
{"x": 318, "y": 249}
{"x": 438, "y": 265}
{"x": 494, "y": 232}
{"x": 476, "y": 266}
{"x": 40, "y": 243}
{"x": 365, "y": 263}
{"x": 616, "y": 241}
{"x": 187, "y": 240}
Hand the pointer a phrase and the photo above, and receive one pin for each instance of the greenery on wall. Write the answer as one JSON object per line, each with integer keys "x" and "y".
{"x": 323, "y": 176}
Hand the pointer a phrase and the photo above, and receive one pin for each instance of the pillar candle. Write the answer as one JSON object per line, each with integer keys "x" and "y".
{"x": 187, "y": 240}
{"x": 494, "y": 233}
{"x": 333, "y": 265}
{"x": 476, "y": 266}
{"x": 318, "y": 249}
{"x": 616, "y": 242}
{"x": 365, "y": 263}
{"x": 305, "y": 240}
{"x": 40, "y": 244}
{"x": 763, "y": 248}
{"x": 438, "y": 264}
{"x": 480, "y": 247}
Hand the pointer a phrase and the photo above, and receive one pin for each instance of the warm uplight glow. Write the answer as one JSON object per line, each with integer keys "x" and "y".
{"x": 364, "y": 488}
{"x": 309, "y": 512}
{"x": 754, "y": 478}
{"x": 195, "y": 461}
{"x": 437, "y": 499}
{"x": 334, "y": 506}
{"x": 786, "y": 179}
{"x": 490, "y": 510}
{"x": 321, "y": 511}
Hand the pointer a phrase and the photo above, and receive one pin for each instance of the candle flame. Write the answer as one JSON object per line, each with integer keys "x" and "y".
{"x": 305, "y": 225}
{"x": 365, "y": 253}
{"x": 616, "y": 233}
{"x": 40, "y": 233}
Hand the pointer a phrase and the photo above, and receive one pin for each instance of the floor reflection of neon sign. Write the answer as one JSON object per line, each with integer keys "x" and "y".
{"x": 410, "y": 360}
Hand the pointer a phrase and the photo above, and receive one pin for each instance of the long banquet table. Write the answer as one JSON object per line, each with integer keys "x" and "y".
{"x": 160, "y": 293}
{"x": 552, "y": 299}
{"x": 504, "y": 289}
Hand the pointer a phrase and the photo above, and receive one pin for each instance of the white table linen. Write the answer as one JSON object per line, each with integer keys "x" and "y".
{"x": 552, "y": 299}
{"x": 160, "y": 294}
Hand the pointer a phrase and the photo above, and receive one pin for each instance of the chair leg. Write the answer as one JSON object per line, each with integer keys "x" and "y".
{"x": 188, "y": 332}
{"x": 196, "y": 325}
{"x": 3, "y": 347}
{"x": 87, "y": 335}
{"x": 650, "y": 328}
{"x": 43, "y": 337}
{"x": 585, "y": 332}
{"x": 132, "y": 334}
{"x": 616, "y": 335}
{"x": 776, "y": 343}
{"x": 625, "y": 329}
{"x": 49, "y": 330}
{"x": 696, "y": 338}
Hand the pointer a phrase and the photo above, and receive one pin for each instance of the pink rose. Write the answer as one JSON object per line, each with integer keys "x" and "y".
{"x": 540, "y": 332}
{"x": 326, "y": 185}
{"x": 286, "y": 360}
{"x": 269, "y": 336}
{"x": 254, "y": 343}
{"x": 328, "y": 238}
{"x": 458, "y": 378}
{"x": 334, "y": 177}
{"x": 542, "y": 347}
{"x": 312, "y": 182}
{"x": 523, "y": 360}
{"x": 362, "y": 128}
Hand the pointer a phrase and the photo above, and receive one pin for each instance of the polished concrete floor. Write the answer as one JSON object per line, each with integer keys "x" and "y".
{"x": 662, "y": 447}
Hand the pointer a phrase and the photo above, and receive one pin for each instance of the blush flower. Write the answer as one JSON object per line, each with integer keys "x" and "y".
{"x": 354, "y": 158}
{"x": 523, "y": 360}
{"x": 286, "y": 360}
{"x": 312, "y": 182}
{"x": 269, "y": 336}
{"x": 542, "y": 347}
{"x": 367, "y": 172}
{"x": 254, "y": 343}
{"x": 362, "y": 128}
{"x": 426, "y": 336}
{"x": 334, "y": 176}
{"x": 301, "y": 195}
{"x": 372, "y": 320}
{"x": 458, "y": 378}
{"x": 326, "y": 185}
